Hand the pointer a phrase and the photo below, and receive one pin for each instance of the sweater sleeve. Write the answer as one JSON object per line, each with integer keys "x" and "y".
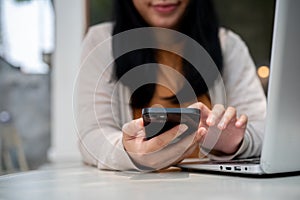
{"x": 244, "y": 92}
{"x": 97, "y": 109}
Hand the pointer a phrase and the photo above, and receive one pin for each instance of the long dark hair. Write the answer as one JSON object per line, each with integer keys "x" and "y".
{"x": 199, "y": 22}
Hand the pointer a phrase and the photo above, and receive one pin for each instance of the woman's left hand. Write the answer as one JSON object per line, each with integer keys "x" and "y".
{"x": 224, "y": 123}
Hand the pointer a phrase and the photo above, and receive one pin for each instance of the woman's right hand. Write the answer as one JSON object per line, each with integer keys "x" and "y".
{"x": 158, "y": 152}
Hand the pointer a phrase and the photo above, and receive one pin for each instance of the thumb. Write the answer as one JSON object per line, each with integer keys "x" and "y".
{"x": 133, "y": 127}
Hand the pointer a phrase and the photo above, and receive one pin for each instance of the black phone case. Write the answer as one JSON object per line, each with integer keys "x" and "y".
{"x": 159, "y": 120}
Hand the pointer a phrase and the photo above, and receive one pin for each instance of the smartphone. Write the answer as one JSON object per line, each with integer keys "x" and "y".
{"x": 159, "y": 120}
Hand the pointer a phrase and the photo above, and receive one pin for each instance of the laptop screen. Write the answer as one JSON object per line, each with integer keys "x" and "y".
{"x": 282, "y": 140}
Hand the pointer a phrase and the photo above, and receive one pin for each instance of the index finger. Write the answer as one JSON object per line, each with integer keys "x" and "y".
{"x": 205, "y": 111}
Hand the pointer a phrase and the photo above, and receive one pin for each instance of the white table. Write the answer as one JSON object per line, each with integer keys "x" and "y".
{"x": 76, "y": 181}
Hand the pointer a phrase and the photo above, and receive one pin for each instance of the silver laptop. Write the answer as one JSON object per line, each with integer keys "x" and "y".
{"x": 281, "y": 146}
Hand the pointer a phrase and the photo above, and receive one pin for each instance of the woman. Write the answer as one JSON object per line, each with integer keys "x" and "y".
{"x": 114, "y": 138}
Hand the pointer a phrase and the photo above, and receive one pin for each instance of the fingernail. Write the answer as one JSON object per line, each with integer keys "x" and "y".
{"x": 238, "y": 123}
{"x": 210, "y": 120}
{"x": 221, "y": 125}
{"x": 182, "y": 128}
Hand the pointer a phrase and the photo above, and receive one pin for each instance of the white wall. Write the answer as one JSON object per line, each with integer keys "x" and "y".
{"x": 70, "y": 26}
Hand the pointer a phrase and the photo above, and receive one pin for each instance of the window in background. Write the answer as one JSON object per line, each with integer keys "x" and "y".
{"x": 27, "y": 34}
{"x": 26, "y": 39}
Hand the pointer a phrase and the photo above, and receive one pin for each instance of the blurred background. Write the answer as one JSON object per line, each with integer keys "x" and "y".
{"x": 39, "y": 57}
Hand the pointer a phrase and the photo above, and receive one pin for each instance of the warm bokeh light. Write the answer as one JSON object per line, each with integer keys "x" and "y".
{"x": 263, "y": 72}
